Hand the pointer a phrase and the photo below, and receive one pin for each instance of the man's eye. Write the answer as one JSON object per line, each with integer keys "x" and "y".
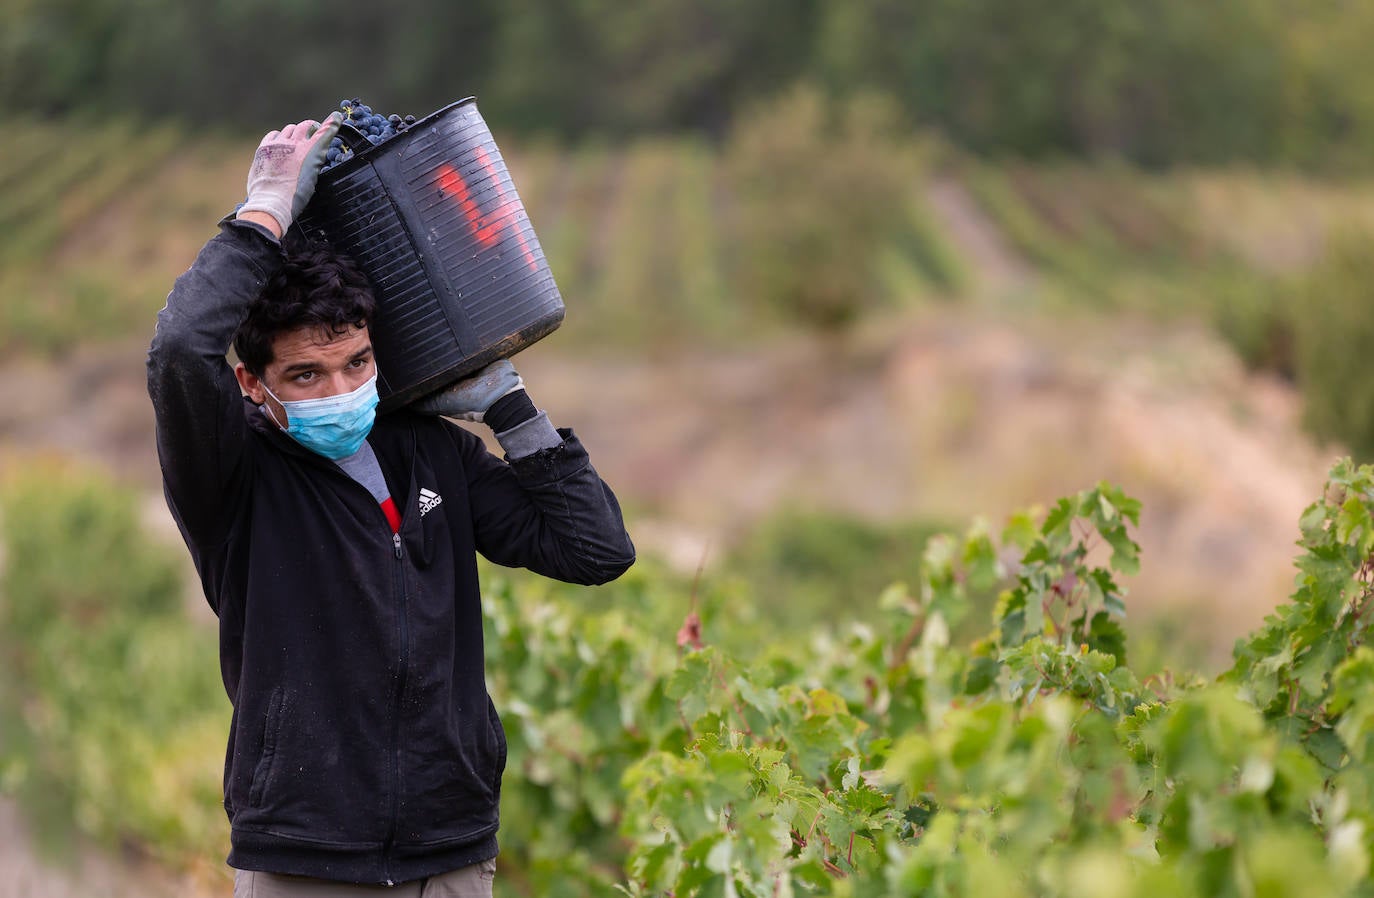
{"x": 360, "y": 363}
{"x": 305, "y": 376}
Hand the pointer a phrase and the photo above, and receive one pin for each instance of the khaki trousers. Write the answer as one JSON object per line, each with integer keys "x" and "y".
{"x": 466, "y": 882}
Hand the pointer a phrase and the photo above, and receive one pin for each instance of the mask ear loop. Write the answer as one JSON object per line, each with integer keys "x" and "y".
{"x": 268, "y": 406}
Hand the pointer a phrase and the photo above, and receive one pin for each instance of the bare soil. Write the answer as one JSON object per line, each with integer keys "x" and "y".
{"x": 998, "y": 268}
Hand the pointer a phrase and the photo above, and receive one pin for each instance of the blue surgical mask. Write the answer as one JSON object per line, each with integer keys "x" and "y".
{"x": 334, "y": 426}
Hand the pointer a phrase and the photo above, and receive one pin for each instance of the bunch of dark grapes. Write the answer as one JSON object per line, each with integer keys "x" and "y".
{"x": 377, "y": 129}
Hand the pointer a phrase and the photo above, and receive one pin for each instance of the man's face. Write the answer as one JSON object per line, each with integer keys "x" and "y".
{"x": 310, "y": 363}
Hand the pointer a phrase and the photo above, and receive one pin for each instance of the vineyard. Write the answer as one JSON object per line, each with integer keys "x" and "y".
{"x": 660, "y": 745}
{"x": 982, "y": 727}
{"x": 672, "y": 220}
{"x": 881, "y": 758}
{"x": 807, "y": 216}
{"x": 658, "y": 238}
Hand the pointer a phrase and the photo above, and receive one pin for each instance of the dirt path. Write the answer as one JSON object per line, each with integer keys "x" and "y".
{"x": 996, "y": 267}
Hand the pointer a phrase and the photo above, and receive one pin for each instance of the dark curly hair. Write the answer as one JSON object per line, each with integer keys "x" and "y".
{"x": 316, "y": 288}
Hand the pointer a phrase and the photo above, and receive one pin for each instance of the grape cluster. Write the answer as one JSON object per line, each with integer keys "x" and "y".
{"x": 377, "y": 129}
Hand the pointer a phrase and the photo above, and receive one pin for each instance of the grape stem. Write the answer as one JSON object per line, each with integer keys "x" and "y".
{"x": 912, "y": 634}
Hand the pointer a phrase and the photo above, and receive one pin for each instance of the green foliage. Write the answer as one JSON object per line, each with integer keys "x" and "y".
{"x": 89, "y": 174}
{"x": 802, "y": 569}
{"x": 1058, "y": 574}
{"x": 1173, "y": 81}
{"x": 884, "y": 760}
{"x": 814, "y": 184}
{"x": 116, "y": 706}
{"x": 1164, "y": 83}
{"x": 54, "y": 516}
{"x": 60, "y": 179}
{"x": 660, "y": 746}
{"x": 809, "y": 216}
{"x": 1255, "y": 316}
{"x": 582, "y": 688}
{"x": 1091, "y": 226}
{"x": 1287, "y": 667}
{"x": 1333, "y": 329}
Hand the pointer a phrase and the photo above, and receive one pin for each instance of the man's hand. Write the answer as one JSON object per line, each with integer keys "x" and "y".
{"x": 285, "y": 168}
{"x": 469, "y": 400}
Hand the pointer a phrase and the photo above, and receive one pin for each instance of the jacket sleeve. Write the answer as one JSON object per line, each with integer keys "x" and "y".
{"x": 549, "y": 512}
{"x": 201, "y": 430}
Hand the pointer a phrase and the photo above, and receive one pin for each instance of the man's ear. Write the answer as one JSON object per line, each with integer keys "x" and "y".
{"x": 250, "y": 384}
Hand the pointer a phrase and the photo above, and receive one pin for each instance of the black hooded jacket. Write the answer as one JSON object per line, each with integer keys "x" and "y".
{"x": 364, "y": 746}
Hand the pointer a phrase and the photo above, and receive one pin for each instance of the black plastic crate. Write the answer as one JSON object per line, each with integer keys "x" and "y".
{"x": 432, "y": 217}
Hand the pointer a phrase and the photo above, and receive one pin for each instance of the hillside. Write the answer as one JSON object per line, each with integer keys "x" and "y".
{"x": 1030, "y": 331}
{"x": 1038, "y": 328}
{"x": 935, "y": 417}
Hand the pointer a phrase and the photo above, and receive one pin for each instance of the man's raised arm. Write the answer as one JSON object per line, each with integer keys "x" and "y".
{"x": 201, "y": 431}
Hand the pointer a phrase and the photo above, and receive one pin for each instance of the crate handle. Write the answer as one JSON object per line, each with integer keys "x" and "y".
{"x": 355, "y": 140}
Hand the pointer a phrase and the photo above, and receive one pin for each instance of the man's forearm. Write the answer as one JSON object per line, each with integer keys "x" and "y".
{"x": 263, "y": 220}
{"x": 210, "y": 299}
{"x": 548, "y": 511}
{"x": 196, "y": 400}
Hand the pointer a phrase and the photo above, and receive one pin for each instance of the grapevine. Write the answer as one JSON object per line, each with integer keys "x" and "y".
{"x": 659, "y": 747}
{"x": 884, "y": 760}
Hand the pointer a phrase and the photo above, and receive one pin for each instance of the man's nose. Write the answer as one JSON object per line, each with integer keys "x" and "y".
{"x": 339, "y": 383}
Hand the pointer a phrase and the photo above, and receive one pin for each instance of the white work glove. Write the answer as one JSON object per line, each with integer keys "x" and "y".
{"x": 469, "y": 400}
{"x": 285, "y": 168}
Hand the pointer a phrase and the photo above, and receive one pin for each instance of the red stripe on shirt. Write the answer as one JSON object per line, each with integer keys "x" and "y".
{"x": 393, "y": 517}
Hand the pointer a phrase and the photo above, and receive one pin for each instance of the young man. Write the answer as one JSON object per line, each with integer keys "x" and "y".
{"x": 338, "y": 550}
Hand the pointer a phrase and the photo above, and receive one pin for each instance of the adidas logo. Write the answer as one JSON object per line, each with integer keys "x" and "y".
{"x": 428, "y": 500}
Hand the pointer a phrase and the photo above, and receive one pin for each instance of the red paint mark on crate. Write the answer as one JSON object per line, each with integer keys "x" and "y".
{"x": 486, "y": 228}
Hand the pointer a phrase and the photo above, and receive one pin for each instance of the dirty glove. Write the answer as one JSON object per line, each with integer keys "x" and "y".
{"x": 285, "y": 168}
{"x": 496, "y": 396}
{"x": 469, "y": 400}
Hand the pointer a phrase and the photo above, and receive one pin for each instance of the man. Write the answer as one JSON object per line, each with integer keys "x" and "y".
{"x": 338, "y": 550}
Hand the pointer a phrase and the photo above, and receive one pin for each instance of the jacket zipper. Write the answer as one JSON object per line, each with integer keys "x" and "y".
{"x": 403, "y": 624}
{"x": 404, "y": 665}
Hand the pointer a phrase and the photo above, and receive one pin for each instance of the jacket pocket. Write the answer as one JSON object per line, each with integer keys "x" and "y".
{"x": 262, "y": 774}
{"x": 498, "y": 733}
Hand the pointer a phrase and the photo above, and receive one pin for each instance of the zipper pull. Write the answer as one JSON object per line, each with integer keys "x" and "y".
{"x": 396, "y": 541}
